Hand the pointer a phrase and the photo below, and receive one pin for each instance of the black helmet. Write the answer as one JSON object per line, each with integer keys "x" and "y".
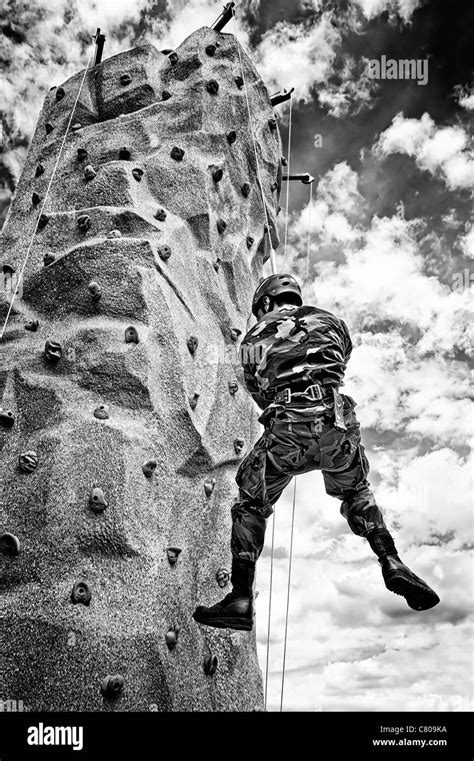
{"x": 274, "y": 286}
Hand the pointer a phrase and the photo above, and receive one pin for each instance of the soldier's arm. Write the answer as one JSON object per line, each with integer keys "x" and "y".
{"x": 347, "y": 342}
{"x": 253, "y": 389}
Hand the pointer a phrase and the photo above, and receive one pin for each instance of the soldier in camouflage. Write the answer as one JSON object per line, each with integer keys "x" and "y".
{"x": 294, "y": 359}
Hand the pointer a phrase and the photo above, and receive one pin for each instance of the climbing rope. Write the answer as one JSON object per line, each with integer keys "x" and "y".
{"x": 288, "y": 182}
{"x": 272, "y": 252}
{"x": 309, "y": 228}
{"x": 288, "y": 596}
{"x": 20, "y": 276}
{"x": 269, "y": 610}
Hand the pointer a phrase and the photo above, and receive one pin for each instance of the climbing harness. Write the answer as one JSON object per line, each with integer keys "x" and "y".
{"x": 20, "y": 276}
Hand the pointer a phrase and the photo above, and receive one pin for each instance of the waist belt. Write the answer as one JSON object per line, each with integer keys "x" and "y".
{"x": 315, "y": 392}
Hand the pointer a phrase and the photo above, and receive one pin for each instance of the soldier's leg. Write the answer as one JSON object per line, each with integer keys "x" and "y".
{"x": 364, "y": 517}
{"x": 260, "y": 485}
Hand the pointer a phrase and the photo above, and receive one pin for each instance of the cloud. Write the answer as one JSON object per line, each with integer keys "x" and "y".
{"x": 373, "y": 8}
{"x": 442, "y": 151}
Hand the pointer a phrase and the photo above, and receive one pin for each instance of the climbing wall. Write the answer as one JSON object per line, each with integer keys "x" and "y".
{"x": 124, "y": 416}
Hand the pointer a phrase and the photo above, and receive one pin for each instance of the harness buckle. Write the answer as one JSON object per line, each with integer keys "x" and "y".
{"x": 311, "y": 391}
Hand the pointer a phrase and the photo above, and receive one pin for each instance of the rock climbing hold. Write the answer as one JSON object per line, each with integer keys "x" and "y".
{"x": 177, "y": 153}
{"x": 112, "y": 686}
{"x": 82, "y": 154}
{"x": 97, "y": 501}
{"x": 43, "y": 221}
{"x": 131, "y": 335}
{"x": 160, "y": 215}
{"x": 239, "y": 82}
{"x": 192, "y": 344}
{"x": 28, "y": 461}
{"x": 284, "y": 161}
{"x": 7, "y": 418}
{"x": 272, "y": 123}
{"x": 125, "y": 79}
{"x": 81, "y": 593}
{"x": 48, "y": 259}
{"x": 114, "y": 234}
{"x": 217, "y": 175}
{"x": 212, "y": 86}
{"x": 233, "y": 387}
{"x": 35, "y": 199}
{"x": 245, "y": 189}
{"x": 84, "y": 222}
{"x": 53, "y": 351}
{"x": 211, "y": 50}
{"x": 222, "y": 577}
{"x": 164, "y": 252}
{"x": 217, "y": 264}
{"x": 232, "y": 136}
{"x": 273, "y": 186}
{"x": 238, "y": 445}
{"x": 49, "y": 128}
{"x": 39, "y": 170}
{"x": 95, "y": 290}
{"x": 234, "y": 334}
{"x": 60, "y": 93}
{"x": 221, "y": 225}
{"x": 149, "y": 468}
{"x": 137, "y": 173}
{"x": 32, "y": 325}
{"x": 101, "y": 412}
{"x": 89, "y": 172}
{"x": 209, "y": 485}
{"x": 166, "y": 51}
{"x": 8, "y": 269}
{"x": 249, "y": 241}
{"x": 171, "y": 637}
{"x": 193, "y": 400}
{"x": 76, "y": 126}
{"x": 165, "y": 95}
{"x": 173, "y": 58}
{"x": 210, "y": 665}
{"x": 124, "y": 153}
{"x": 9, "y": 545}
{"x": 173, "y": 554}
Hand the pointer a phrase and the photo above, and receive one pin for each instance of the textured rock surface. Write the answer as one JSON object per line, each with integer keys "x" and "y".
{"x": 163, "y": 402}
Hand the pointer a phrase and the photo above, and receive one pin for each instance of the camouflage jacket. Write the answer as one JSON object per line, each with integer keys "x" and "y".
{"x": 294, "y": 347}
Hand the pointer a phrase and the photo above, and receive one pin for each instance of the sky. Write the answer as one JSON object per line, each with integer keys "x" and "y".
{"x": 388, "y": 243}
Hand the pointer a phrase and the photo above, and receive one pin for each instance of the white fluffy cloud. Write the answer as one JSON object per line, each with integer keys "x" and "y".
{"x": 443, "y": 150}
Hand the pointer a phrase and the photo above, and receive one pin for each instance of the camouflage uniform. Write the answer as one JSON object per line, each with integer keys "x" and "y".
{"x": 295, "y": 347}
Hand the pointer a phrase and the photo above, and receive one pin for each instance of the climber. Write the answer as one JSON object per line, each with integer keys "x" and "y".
{"x": 294, "y": 359}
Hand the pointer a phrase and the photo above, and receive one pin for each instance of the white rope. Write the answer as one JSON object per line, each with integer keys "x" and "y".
{"x": 20, "y": 276}
{"x": 288, "y": 181}
{"x": 272, "y": 252}
{"x": 269, "y": 610}
{"x": 288, "y": 597}
{"x": 309, "y": 229}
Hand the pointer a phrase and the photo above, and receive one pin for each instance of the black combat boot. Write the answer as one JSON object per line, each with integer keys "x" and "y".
{"x": 397, "y": 576}
{"x": 235, "y": 611}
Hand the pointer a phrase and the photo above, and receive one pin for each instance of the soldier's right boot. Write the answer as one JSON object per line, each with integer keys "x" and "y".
{"x": 235, "y": 611}
{"x": 397, "y": 576}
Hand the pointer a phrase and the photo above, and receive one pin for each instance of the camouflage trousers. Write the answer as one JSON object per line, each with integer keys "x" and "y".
{"x": 299, "y": 440}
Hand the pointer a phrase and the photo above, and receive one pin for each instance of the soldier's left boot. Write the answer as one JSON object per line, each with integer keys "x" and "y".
{"x": 235, "y": 611}
{"x": 397, "y": 576}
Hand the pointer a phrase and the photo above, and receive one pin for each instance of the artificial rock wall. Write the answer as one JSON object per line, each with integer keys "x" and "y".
{"x": 124, "y": 417}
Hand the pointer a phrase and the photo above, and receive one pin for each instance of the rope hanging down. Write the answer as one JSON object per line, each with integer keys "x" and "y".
{"x": 20, "y": 276}
{"x": 272, "y": 251}
{"x": 288, "y": 184}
